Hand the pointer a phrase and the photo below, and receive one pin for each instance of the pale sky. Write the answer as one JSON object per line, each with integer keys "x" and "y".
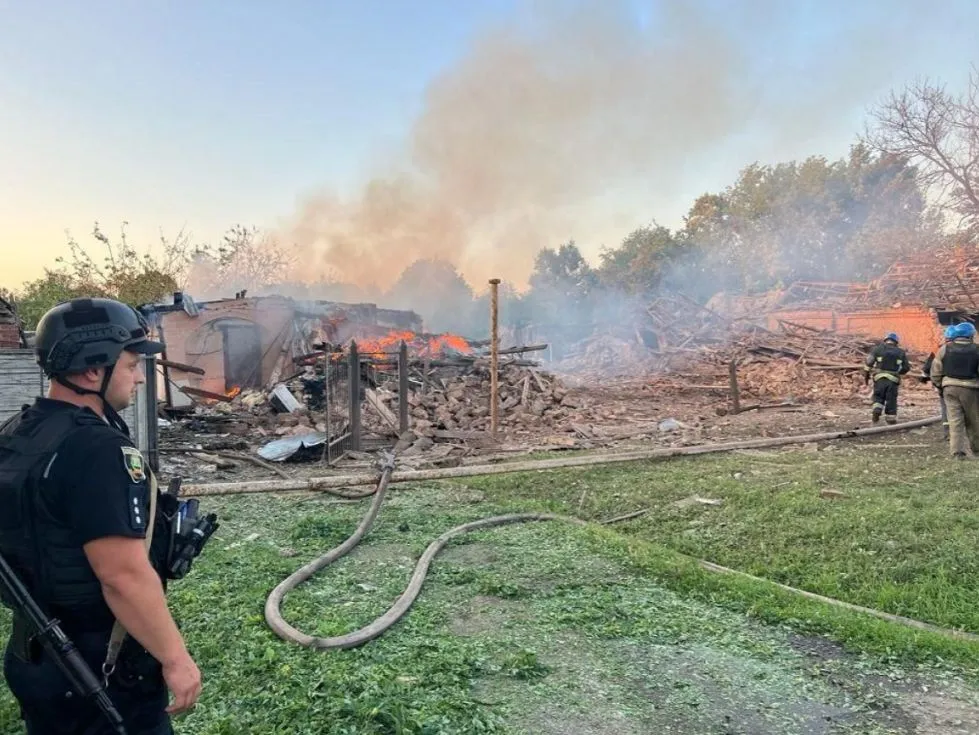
{"x": 200, "y": 115}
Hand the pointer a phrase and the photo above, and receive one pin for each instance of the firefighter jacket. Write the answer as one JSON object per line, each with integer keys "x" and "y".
{"x": 887, "y": 361}
{"x": 956, "y": 363}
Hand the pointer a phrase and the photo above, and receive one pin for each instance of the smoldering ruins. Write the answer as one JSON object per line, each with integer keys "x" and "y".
{"x": 326, "y": 383}
{"x": 568, "y": 124}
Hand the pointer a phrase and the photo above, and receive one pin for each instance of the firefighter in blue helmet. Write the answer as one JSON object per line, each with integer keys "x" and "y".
{"x": 925, "y": 377}
{"x": 955, "y": 372}
{"x": 886, "y": 364}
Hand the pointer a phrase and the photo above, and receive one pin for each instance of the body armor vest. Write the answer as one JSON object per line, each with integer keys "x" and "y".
{"x": 961, "y": 361}
{"x": 890, "y": 359}
{"x": 34, "y": 537}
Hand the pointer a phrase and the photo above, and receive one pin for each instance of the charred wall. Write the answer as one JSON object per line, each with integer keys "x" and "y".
{"x": 203, "y": 341}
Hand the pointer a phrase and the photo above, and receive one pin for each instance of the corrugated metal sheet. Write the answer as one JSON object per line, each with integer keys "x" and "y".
{"x": 21, "y": 381}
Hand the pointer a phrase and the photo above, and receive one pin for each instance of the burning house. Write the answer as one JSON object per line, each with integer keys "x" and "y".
{"x": 278, "y": 367}
{"x": 225, "y": 346}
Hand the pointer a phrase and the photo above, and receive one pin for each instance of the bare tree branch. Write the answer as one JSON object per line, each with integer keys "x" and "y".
{"x": 939, "y": 133}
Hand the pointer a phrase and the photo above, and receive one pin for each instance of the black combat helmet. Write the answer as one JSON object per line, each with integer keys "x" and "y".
{"x": 89, "y": 333}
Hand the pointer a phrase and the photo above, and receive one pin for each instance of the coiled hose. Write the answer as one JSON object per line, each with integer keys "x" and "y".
{"x": 273, "y": 615}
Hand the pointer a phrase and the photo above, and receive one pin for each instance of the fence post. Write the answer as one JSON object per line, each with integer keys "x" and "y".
{"x": 138, "y": 429}
{"x": 167, "y": 391}
{"x": 354, "y": 369}
{"x": 403, "y": 387}
{"x": 494, "y": 357}
{"x": 150, "y": 426}
{"x": 330, "y": 374}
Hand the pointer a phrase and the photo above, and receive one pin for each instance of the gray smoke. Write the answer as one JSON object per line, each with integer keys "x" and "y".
{"x": 585, "y": 123}
{"x": 527, "y": 133}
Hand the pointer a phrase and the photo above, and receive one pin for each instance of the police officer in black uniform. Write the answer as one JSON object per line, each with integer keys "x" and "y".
{"x": 886, "y": 364}
{"x": 75, "y": 511}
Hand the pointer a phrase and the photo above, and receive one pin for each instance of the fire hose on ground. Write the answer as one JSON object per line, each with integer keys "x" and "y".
{"x": 369, "y": 632}
{"x": 399, "y": 609}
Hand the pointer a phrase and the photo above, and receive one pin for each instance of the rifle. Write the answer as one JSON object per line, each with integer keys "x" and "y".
{"x": 59, "y": 646}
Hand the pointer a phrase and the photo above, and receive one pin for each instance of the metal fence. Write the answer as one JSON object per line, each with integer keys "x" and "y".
{"x": 389, "y": 370}
{"x": 341, "y": 432}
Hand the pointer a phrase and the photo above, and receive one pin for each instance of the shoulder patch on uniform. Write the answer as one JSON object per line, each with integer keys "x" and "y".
{"x": 133, "y": 461}
{"x": 137, "y": 509}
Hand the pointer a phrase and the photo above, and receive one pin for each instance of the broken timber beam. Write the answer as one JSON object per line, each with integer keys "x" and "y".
{"x": 378, "y": 405}
{"x": 522, "y": 349}
{"x": 314, "y": 484}
{"x": 180, "y": 366}
{"x": 201, "y": 393}
{"x": 735, "y": 391}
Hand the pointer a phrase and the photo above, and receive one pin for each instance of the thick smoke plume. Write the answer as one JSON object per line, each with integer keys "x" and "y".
{"x": 585, "y": 123}
{"x": 519, "y": 140}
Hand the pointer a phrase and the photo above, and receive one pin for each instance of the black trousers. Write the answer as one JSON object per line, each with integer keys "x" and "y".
{"x": 885, "y": 396}
{"x": 136, "y": 689}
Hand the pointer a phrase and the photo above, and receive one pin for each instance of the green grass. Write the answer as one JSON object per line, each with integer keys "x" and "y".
{"x": 904, "y": 540}
{"x": 548, "y": 627}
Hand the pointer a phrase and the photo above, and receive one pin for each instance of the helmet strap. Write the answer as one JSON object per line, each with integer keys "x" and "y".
{"x": 103, "y": 388}
{"x": 77, "y": 388}
{"x": 110, "y": 414}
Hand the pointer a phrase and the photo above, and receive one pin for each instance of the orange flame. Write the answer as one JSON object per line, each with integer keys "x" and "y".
{"x": 235, "y": 390}
{"x": 439, "y": 343}
{"x": 388, "y": 343}
{"x": 420, "y": 345}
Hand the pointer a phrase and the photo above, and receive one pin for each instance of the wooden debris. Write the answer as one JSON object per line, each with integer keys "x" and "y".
{"x": 374, "y": 400}
{"x": 201, "y": 393}
{"x": 457, "y": 407}
{"x": 220, "y": 462}
{"x": 680, "y": 347}
{"x": 626, "y": 517}
{"x": 180, "y": 366}
{"x": 695, "y": 500}
{"x": 735, "y": 392}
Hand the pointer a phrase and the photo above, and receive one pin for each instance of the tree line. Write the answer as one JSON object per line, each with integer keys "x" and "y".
{"x": 910, "y": 183}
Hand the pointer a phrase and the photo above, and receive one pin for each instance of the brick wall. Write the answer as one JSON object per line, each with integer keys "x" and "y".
{"x": 917, "y": 328}
{"x": 9, "y": 337}
{"x": 199, "y": 342}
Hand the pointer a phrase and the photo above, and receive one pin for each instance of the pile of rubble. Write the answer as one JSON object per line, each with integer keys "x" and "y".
{"x": 608, "y": 355}
{"x": 448, "y": 403}
{"x": 943, "y": 277}
{"x": 946, "y": 277}
{"x": 454, "y": 402}
{"x": 695, "y": 349}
